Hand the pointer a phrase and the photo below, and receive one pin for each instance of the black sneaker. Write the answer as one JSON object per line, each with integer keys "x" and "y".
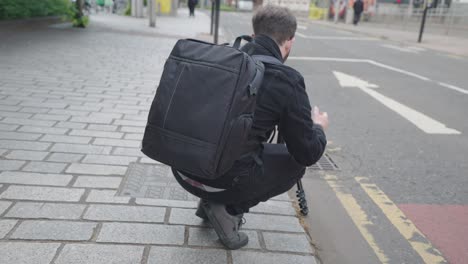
{"x": 201, "y": 212}
{"x": 226, "y": 225}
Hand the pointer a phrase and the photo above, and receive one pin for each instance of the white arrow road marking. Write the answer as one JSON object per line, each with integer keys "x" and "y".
{"x": 423, "y": 122}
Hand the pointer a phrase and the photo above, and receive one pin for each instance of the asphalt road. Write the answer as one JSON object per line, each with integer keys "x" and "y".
{"x": 398, "y": 134}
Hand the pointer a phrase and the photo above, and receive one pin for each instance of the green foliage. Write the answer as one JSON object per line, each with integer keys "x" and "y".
{"x": 12, "y": 9}
{"x": 77, "y": 19}
{"x": 128, "y": 10}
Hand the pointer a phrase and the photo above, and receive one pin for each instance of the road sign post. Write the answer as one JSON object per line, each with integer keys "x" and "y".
{"x": 216, "y": 26}
{"x": 423, "y": 21}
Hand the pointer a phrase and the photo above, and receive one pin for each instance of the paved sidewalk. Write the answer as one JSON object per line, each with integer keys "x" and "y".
{"x": 448, "y": 44}
{"x": 73, "y": 106}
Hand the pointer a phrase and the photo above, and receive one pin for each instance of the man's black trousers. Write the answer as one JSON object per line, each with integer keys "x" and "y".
{"x": 253, "y": 183}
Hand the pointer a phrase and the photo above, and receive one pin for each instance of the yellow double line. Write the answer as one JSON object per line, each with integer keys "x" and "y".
{"x": 407, "y": 229}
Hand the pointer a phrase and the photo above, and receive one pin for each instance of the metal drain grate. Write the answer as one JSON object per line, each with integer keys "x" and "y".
{"x": 325, "y": 164}
{"x": 152, "y": 181}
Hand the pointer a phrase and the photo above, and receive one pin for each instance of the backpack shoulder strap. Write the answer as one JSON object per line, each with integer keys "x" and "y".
{"x": 267, "y": 59}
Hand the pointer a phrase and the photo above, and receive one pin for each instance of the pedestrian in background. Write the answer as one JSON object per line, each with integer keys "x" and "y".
{"x": 109, "y": 4}
{"x": 99, "y": 5}
{"x": 191, "y": 6}
{"x": 358, "y": 8}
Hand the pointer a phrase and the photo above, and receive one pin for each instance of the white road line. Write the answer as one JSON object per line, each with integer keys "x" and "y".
{"x": 334, "y": 37}
{"x": 381, "y": 65}
{"x": 327, "y": 59}
{"x": 458, "y": 89}
{"x": 399, "y": 70}
{"x": 422, "y": 121}
{"x": 301, "y": 27}
{"x": 402, "y": 49}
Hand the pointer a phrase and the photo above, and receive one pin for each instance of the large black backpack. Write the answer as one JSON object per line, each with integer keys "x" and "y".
{"x": 203, "y": 109}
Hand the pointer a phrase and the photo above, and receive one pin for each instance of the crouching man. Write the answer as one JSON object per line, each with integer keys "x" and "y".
{"x": 268, "y": 169}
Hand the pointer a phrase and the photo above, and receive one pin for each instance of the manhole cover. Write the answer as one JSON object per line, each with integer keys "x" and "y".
{"x": 325, "y": 163}
{"x": 152, "y": 181}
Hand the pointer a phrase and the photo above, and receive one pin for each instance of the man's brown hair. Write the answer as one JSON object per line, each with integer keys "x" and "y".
{"x": 276, "y": 22}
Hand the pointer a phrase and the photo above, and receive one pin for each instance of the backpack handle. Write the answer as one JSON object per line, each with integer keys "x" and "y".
{"x": 238, "y": 40}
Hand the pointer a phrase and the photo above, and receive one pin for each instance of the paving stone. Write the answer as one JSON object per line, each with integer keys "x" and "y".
{"x": 69, "y": 112}
{"x": 27, "y": 155}
{"x": 15, "y": 115}
{"x": 93, "y": 133}
{"x": 134, "y": 136}
{"x": 128, "y": 151}
{"x": 45, "y": 104}
{"x": 111, "y": 160}
{"x": 35, "y": 110}
{"x": 54, "y": 230}
{"x": 98, "y": 182}
{"x": 274, "y": 207}
{"x": 66, "y": 139}
{"x": 44, "y": 130}
{"x": 6, "y": 226}
{"x": 46, "y": 210}
{"x": 185, "y": 217}
{"x": 100, "y": 254}
{"x": 207, "y": 237}
{"x": 61, "y": 117}
{"x": 273, "y": 222}
{"x": 9, "y": 108}
{"x": 172, "y": 255}
{"x": 166, "y": 203}
{"x": 129, "y": 123}
{"x": 125, "y": 213}
{"x": 287, "y": 242}
{"x": 106, "y": 196}
{"x": 41, "y": 166}
{"x": 106, "y": 115}
{"x": 96, "y": 169}
{"x": 83, "y": 149}
{"x": 91, "y": 120}
{"x": 11, "y": 164}
{"x": 42, "y": 193}
{"x": 71, "y": 125}
{"x": 242, "y": 257}
{"x": 27, "y": 253}
{"x": 19, "y": 136}
{"x": 4, "y": 205}
{"x": 65, "y": 157}
{"x": 108, "y": 128}
{"x": 117, "y": 142}
{"x": 84, "y": 108}
{"x": 149, "y": 161}
{"x": 29, "y": 178}
{"x": 3, "y": 151}
{"x": 141, "y": 234}
{"x": 26, "y": 145}
{"x": 6, "y": 127}
{"x": 132, "y": 129}
{"x": 28, "y": 122}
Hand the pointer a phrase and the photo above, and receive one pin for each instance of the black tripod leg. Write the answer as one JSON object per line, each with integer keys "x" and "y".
{"x": 301, "y": 198}
{"x": 300, "y": 194}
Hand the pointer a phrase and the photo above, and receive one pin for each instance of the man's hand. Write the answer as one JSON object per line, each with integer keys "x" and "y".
{"x": 320, "y": 118}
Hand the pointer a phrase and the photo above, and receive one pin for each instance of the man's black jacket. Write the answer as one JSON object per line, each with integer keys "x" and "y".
{"x": 282, "y": 100}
